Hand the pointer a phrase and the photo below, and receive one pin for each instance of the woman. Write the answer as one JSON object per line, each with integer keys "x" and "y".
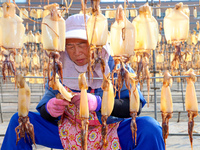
{"x": 57, "y": 125}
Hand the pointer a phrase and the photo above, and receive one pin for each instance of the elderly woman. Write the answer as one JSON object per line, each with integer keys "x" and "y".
{"x": 57, "y": 125}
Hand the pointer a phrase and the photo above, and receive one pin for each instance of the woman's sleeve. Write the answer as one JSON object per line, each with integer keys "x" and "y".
{"x": 44, "y": 113}
{"x": 49, "y": 93}
{"x": 121, "y": 108}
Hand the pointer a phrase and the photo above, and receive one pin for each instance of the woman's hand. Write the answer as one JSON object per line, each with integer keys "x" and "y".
{"x": 56, "y": 107}
{"x": 92, "y": 101}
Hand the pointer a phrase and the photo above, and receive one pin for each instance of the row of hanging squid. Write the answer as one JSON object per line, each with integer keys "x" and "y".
{"x": 166, "y": 103}
{"x": 127, "y": 39}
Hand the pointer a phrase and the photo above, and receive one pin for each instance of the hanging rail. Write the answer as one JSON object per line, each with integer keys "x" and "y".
{"x": 104, "y": 9}
{"x": 95, "y": 77}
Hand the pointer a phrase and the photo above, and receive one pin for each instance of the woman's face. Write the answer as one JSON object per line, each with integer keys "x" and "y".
{"x": 77, "y": 50}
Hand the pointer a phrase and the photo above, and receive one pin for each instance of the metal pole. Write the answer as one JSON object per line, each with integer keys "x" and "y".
{"x": 97, "y": 78}
{"x": 2, "y": 101}
{"x": 154, "y": 83}
{"x": 182, "y": 88}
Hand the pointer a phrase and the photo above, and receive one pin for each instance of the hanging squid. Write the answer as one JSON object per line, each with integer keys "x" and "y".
{"x": 11, "y": 38}
{"x": 84, "y": 110}
{"x": 106, "y": 105}
{"x": 178, "y": 58}
{"x": 134, "y": 103}
{"x": 97, "y": 36}
{"x": 8, "y": 64}
{"x": 143, "y": 72}
{"x": 122, "y": 47}
{"x": 191, "y": 103}
{"x": 176, "y": 28}
{"x": 176, "y": 25}
{"x": 122, "y": 76}
{"x": 35, "y": 60}
{"x": 53, "y": 35}
{"x": 146, "y": 76}
{"x": 147, "y": 37}
{"x": 166, "y": 105}
{"x": 24, "y": 96}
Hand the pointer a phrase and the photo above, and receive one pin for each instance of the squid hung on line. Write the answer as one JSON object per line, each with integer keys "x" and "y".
{"x": 121, "y": 73}
{"x": 134, "y": 103}
{"x": 11, "y": 38}
{"x": 53, "y": 35}
{"x": 8, "y": 64}
{"x": 106, "y": 106}
{"x": 124, "y": 76}
{"x": 24, "y": 96}
{"x": 177, "y": 59}
{"x": 122, "y": 47}
{"x": 191, "y": 103}
{"x": 35, "y": 60}
{"x": 187, "y": 56}
{"x": 84, "y": 110}
{"x": 97, "y": 36}
{"x": 166, "y": 105}
{"x": 143, "y": 72}
{"x": 18, "y": 59}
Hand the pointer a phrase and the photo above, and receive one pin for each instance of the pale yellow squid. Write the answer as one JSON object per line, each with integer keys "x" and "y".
{"x": 84, "y": 110}
{"x": 107, "y": 105}
{"x": 97, "y": 33}
{"x": 134, "y": 104}
{"x": 11, "y": 36}
{"x": 191, "y": 103}
{"x": 58, "y": 86}
{"x": 166, "y": 104}
{"x": 146, "y": 75}
{"x": 122, "y": 47}
{"x": 24, "y": 97}
{"x": 147, "y": 37}
{"x": 53, "y": 35}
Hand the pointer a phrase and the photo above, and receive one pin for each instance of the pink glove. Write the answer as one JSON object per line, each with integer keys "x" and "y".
{"x": 92, "y": 101}
{"x": 56, "y": 107}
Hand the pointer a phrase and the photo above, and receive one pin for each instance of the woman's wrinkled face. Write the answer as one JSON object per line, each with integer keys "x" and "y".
{"x": 77, "y": 50}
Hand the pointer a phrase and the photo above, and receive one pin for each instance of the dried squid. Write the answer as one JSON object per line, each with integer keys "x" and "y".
{"x": 146, "y": 28}
{"x": 122, "y": 35}
{"x": 146, "y": 40}
{"x": 26, "y": 61}
{"x": 166, "y": 105}
{"x": 133, "y": 12}
{"x": 18, "y": 59}
{"x": 23, "y": 13}
{"x": 121, "y": 72}
{"x": 124, "y": 76}
{"x": 122, "y": 46}
{"x": 176, "y": 28}
{"x": 176, "y": 25}
{"x": 84, "y": 110}
{"x": 106, "y": 105}
{"x": 97, "y": 36}
{"x": 191, "y": 103}
{"x": 134, "y": 104}
{"x": 12, "y": 33}
{"x": 35, "y": 60}
{"x": 143, "y": 72}
{"x": 53, "y": 35}
{"x": 65, "y": 94}
{"x": 177, "y": 58}
{"x": 24, "y": 96}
